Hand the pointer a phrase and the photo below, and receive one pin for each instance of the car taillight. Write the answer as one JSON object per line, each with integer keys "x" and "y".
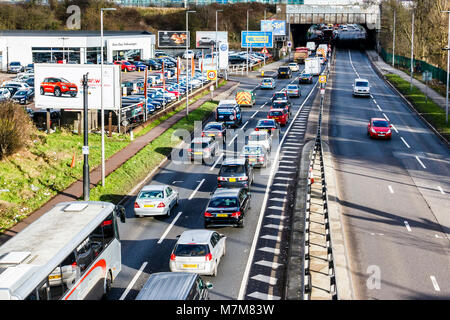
{"x": 207, "y": 149}
{"x": 189, "y": 150}
{"x": 161, "y": 205}
{"x": 272, "y": 129}
{"x": 236, "y": 214}
{"x": 208, "y": 257}
{"x": 203, "y": 134}
{"x": 172, "y": 257}
{"x": 256, "y": 129}
{"x": 219, "y": 134}
{"x": 207, "y": 214}
{"x": 261, "y": 158}
{"x": 221, "y": 179}
{"x": 242, "y": 178}
{"x": 136, "y": 205}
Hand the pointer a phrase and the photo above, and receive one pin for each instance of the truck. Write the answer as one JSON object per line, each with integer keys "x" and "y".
{"x": 245, "y": 98}
{"x": 300, "y": 54}
{"x": 311, "y": 46}
{"x": 312, "y": 66}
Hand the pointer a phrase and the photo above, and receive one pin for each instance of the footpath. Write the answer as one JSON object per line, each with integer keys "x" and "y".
{"x": 387, "y": 68}
{"x": 75, "y": 190}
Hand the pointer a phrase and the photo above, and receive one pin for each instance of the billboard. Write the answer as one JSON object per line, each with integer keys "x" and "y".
{"x": 206, "y": 39}
{"x": 173, "y": 39}
{"x": 59, "y": 86}
{"x": 256, "y": 39}
{"x": 223, "y": 56}
{"x": 277, "y": 27}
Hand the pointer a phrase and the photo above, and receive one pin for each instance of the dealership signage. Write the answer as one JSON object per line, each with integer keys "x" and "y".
{"x": 207, "y": 39}
{"x": 277, "y": 27}
{"x": 173, "y": 39}
{"x": 256, "y": 39}
{"x": 59, "y": 86}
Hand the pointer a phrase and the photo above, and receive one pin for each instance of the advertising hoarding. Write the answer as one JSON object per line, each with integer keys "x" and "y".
{"x": 59, "y": 86}
{"x": 223, "y": 56}
{"x": 173, "y": 39}
{"x": 206, "y": 39}
{"x": 256, "y": 39}
{"x": 277, "y": 27}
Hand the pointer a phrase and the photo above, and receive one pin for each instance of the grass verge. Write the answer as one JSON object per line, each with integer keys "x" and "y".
{"x": 433, "y": 113}
{"x": 122, "y": 180}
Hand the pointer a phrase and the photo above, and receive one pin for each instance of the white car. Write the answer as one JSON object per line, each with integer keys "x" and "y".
{"x": 260, "y": 138}
{"x": 198, "y": 251}
{"x": 16, "y": 84}
{"x": 361, "y": 87}
{"x": 155, "y": 200}
{"x": 188, "y": 54}
{"x": 294, "y": 67}
{"x": 5, "y": 94}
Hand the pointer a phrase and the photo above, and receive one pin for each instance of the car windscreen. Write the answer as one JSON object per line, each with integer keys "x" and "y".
{"x": 280, "y": 104}
{"x": 15, "y": 64}
{"x": 231, "y": 169}
{"x": 380, "y": 124}
{"x": 225, "y": 111}
{"x": 223, "y": 202}
{"x": 292, "y": 87}
{"x": 21, "y": 92}
{"x": 267, "y": 81}
{"x": 284, "y": 69}
{"x": 265, "y": 123}
{"x": 63, "y": 80}
{"x": 213, "y": 127}
{"x": 279, "y": 96}
{"x": 191, "y": 250}
{"x": 305, "y": 75}
{"x": 276, "y": 113}
{"x": 151, "y": 194}
{"x": 362, "y": 84}
{"x": 252, "y": 150}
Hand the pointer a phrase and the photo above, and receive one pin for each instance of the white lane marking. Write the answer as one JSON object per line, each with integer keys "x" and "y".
{"x": 440, "y": 189}
{"x": 393, "y": 127}
{"x": 407, "y": 226}
{"x": 421, "y": 163}
{"x": 406, "y": 144}
{"x": 386, "y": 117}
{"x": 254, "y": 114}
{"x": 176, "y": 181}
{"x": 390, "y": 189}
{"x": 242, "y": 128}
{"x": 136, "y": 276}
{"x": 353, "y": 67}
{"x": 196, "y": 189}
{"x": 375, "y": 101}
{"x": 435, "y": 284}
{"x": 379, "y": 108}
{"x": 245, "y": 276}
{"x": 169, "y": 227}
{"x": 217, "y": 161}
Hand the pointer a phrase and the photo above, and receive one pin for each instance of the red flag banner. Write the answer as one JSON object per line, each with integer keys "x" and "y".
{"x": 192, "y": 67}
{"x": 178, "y": 70}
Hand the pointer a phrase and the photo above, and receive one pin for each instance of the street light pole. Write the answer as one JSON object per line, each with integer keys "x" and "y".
{"x": 101, "y": 93}
{"x": 217, "y": 49}
{"x": 187, "y": 61}
{"x": 448, "y": 68}
{"x": 246, "y": 40}
{"x": 412, "y": 51}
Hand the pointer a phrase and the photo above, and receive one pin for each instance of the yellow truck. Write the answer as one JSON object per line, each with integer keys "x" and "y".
{"x": 245, "y": 98}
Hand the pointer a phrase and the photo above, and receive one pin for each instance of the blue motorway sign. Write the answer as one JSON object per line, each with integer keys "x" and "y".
{"x": 278, "y": 27}
{"x": 256, "y": 39}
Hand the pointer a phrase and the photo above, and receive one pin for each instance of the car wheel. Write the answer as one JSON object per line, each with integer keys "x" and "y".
{"x": 57, "y": 92}
{"x": 73, "y": 94}
{"x": 41, "y": 91}
{"x": 241, "y": 224}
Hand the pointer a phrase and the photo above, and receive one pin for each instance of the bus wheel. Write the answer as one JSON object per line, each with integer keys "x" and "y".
{"x": 108, "y": 284}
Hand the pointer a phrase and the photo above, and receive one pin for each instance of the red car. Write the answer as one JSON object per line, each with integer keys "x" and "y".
{"x": 379, "y": 128}
{"x": 125, "y": 65}
{"x": 175, "y": 92}
{"x": 279, "y": 115}
{"x": 58, "y": 86}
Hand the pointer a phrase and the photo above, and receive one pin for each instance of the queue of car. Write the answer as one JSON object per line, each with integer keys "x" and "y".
{"x": 21, "y": 88}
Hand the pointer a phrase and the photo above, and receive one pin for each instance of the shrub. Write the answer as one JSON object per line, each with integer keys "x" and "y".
{"x": 15, "y": 128}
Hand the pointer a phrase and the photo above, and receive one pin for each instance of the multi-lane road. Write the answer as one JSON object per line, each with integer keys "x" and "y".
{"x": 393, "y": 194}
{"x": 247, "y": 270}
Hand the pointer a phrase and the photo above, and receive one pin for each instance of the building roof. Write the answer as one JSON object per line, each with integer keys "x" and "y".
{"x": 73, "y": 33}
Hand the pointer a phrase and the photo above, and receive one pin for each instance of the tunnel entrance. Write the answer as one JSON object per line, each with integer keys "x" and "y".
{"x": 302, "y": 33}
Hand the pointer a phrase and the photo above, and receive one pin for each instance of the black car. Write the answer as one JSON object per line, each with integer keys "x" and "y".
{"x": 269, "y": 125}
{"x": 284, "y": 72}
{"x": 229, "y": 113}
{"x": 305, "y": 78}
{"x": 227, "y": 207}
{"x": 152, "y": 64}
{"x": 282, "y": 104}
{"x": 280, "y": 95}
{"x": 30, "y": 82}
{"x": 215, "y": 130}
{"x": 236, "y": 60}
{"x": 12, "y": 89}
{"x": 235, "y": 173}
{"x": 23, "y": 96}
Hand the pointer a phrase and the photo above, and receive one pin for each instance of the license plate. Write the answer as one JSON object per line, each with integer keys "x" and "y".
{"x": 381, "y": 134}
{"x": 221, "y": 215}
{"x": 149, "y": 205}
{"x": 211, "y": 135}
{"x": 232, "y": 179}
{"x": 54, "y": 277}
{"x": 198, "y": 152}
{"x": 252, "y": 160}
{"x": 191, "y": 266}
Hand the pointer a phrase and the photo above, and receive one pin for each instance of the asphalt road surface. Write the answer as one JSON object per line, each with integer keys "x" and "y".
{"x": 147, "y": 242}
{"x": 393, "y": 194}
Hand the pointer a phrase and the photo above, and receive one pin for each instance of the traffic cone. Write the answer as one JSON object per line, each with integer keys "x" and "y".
{"x": 311, "y": 175}
{"x": 73, "y": 161}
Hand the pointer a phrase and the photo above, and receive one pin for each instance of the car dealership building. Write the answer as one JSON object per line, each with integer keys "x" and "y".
{"x": 73, "y": 46}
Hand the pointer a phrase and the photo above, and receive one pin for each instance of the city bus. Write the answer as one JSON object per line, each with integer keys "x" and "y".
{"x": 71, "y": 252}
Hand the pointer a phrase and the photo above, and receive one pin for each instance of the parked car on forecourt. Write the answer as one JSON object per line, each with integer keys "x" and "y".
{"x": 125, "y": 65}
{"x": 23, "y": 96}
{"x": 15, "y": 67}
{"x": 5, "y": 94}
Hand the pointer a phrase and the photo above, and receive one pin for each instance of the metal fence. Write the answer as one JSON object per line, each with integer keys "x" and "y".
{"x": 419, "y": 65}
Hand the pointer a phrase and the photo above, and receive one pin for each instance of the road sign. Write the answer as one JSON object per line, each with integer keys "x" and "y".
{"x": 264, "y": 51}
{"x": 322, "y": 79}
{"x": 289, "y": 44}
{"x": 322, "y": 91}
{"x": 256, "y": 39}
{"x": 211, "y": 75}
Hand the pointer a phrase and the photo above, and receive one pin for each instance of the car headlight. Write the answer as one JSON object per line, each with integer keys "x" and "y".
{"x": 389, "y": 131}
{"x": 64, "y": 87}
{"x": 373, "y": 130}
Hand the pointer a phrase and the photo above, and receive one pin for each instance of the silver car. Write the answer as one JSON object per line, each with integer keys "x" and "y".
{"x": 198, "y": 251}
{"x": 155, "y": 200}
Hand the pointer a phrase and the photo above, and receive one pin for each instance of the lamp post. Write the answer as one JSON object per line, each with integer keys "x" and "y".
{"x": 64, "y": 38}
{"x": 101, "y": 93}
{"x": 187, "y": 60}
{"x": 448, "y": 68}
{"x": 246, "y": 39}
{"x": 217, "y": 48}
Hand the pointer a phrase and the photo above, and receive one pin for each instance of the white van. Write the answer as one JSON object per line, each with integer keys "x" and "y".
{"x": 311, "y": 46}
{"x": 361, "y": 87}
{"x": 312, "y": 66}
